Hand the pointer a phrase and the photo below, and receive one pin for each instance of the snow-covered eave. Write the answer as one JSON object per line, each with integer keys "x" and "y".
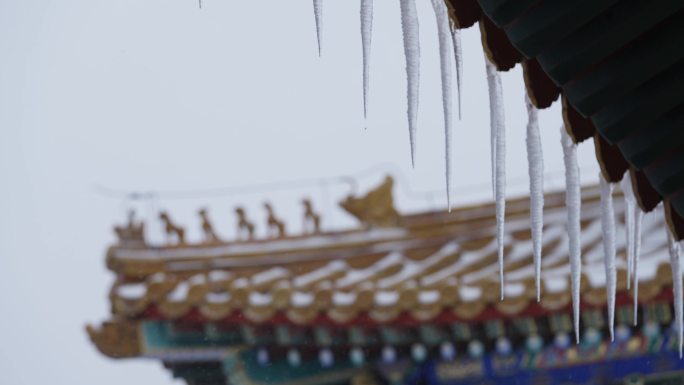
{"x": 423, "y": 276}
{"x": 418, "y": 230}
{"x": 448, "y": 304}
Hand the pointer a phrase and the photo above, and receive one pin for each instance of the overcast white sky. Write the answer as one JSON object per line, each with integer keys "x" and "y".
{"x": 159, "y": 95}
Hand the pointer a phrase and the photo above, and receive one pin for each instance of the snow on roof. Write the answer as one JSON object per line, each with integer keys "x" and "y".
{"x": 436, "y": 260}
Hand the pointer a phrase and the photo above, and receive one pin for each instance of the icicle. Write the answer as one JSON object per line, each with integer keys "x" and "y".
{"x": 458, "y": 53}
{"x": 535, "y": 162}
{"x": 676, "y": 287}
{"x": 629, "y": 216}
{"x": 409, "y": 25}
{"x": 366, "y": 36}
{"x": 498, "y": 143}
{"x": 318, "y": 14}
{"x": 494, "y": 86}
{"x": 633, "y": 218}
{"x": 639, "y": 216}
{"x": 444, "y": 34}
{"x": 573, "y": 202}
{"x": 501, "y": 195}
{"x": 608, "y": 228}
{"x": 629, "y": 225}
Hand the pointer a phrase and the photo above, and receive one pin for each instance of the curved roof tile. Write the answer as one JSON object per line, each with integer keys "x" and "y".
{"x": 620, "y": 69}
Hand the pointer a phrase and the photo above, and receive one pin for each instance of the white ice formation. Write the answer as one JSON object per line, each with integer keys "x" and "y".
{"x": 608, "y": 228}
{"x": 573, "y": 202}
{"x": 409, "y": 25}
{"x": 366, "y": 37}
{"x": 498, "y": 143}
{"x": 629, "y": 232}
{"x": 318, "y": 14}
{"x": 445, "y": 47}
{"x": 633, "y": 219}
{"x": 458, "y": 56}
{"x": 535, "y": 162}
{"x": 637, "y": 250}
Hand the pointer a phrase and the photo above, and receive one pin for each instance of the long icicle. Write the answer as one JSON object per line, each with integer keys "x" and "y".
{"x": 366, "y": 37}
{"x": 498, "y": 143}
{"x": 409, "y": 25}
{"x": 573, "y": 202}
{"x": 494, "y": 85}
{"x": 639, "y": 216}
{"x": 608, "y": 228}
{"x": 458, "y": 55}
{"x": 677, "y": 288}
{"x": 633, "y": 219}
{"x": 535, "y": 162}
{"x": 318, "y": 14}
{"x": 630, "y": 206}
{"x": 444, "y": 34}
{"x": 501, "y": 195}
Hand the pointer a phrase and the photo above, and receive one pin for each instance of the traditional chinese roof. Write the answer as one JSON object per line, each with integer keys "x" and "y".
{"x": 429, "y": 267}
{"x": 617, "y": 66}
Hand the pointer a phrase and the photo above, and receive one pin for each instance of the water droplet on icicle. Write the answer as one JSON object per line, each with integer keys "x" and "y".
{"x": 608, "y": 229}
{"x": 458, "y": 55}
{"x": 366, "y": 37}
{"x": 498, "y": 144}
{"x": 445, "y": 46}
{"x": 318, "y": 15}
{"x": 675, "y": 264}
{"x": 409, "y": 25}
{"x": 535, "y": 161}
{"x": 573, "y": 202}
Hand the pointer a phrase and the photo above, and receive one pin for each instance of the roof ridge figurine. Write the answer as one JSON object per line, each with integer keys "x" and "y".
{"x": 172, "y": 229}
{"x": 312, "y": 220}
{"x": 244, "y": 225}
{"x": 376, "y": 208}
{"x": 133, "y": 233}
{"x": 275, "y": 227}
{"x": 207, "y": 228}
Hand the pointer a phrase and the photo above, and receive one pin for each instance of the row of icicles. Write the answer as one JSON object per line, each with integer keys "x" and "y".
{"x": 449, "y": 49}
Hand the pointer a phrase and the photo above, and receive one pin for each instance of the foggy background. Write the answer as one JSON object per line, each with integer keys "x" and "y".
{"x": 158, "y": 95}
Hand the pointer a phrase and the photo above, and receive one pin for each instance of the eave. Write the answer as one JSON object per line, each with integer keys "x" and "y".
{"x": 618, "y": 68}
